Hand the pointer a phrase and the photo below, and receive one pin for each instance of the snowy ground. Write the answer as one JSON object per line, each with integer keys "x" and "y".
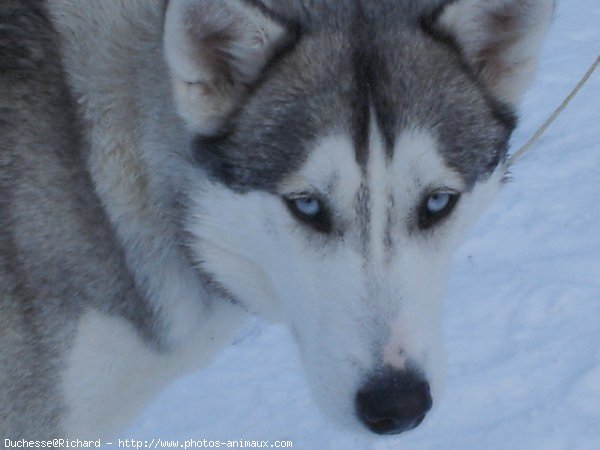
{"x": 522, "y": 314}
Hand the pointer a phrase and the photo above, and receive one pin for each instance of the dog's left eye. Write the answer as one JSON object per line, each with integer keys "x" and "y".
{"x": 436, "y": 206}
{"x": 311, "y": 211}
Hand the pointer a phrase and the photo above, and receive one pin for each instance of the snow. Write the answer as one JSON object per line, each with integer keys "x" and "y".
{"x": 522, "y": 322}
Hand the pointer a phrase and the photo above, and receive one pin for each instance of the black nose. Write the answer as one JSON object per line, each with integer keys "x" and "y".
{"x": 394, "y": 402}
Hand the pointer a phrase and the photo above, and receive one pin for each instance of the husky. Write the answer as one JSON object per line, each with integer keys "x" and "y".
{"x": 169, "y": 169}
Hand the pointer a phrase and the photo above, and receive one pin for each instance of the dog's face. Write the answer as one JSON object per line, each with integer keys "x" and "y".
{"x": 332, "y": 192}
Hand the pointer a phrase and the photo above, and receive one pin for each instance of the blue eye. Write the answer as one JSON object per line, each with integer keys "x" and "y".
{"x": 436, "y": 206}
{"x": 309, "y": 206}
{"x": 438, "y": 201}
{"x": 309, "y": 210}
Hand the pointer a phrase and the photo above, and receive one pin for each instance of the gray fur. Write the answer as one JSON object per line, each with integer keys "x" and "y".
{"x": 363, "y": 215}
{"x": 50, "y": 219}
{"x": 96, "y": 165}
{"x": 356, "y": 63}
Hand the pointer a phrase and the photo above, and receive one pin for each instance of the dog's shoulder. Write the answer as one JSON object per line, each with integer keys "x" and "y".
{"x": 35, "y": 97}
{"x": 29, "y": 55}
{"x": 58, "y": 251}
{"x": 27, "y": 36}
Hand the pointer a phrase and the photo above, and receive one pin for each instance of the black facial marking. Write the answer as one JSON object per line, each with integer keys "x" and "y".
{"x": 383, "y": 109}
{"x": 371, "y": 79}
{"x": 388, "y": 240}
{"x": 360, "y": 107}
{"x": 363, "y": 214}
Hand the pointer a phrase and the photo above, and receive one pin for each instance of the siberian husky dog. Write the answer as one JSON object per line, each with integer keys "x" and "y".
{"x": 169, "y": 168}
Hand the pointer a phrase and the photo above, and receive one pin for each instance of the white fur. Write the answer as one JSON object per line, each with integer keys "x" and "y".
{"x": 344, "y": 310}
{"x": 328, "y": 166}
{"x": 380, "y": 188}
{"x": 111, "y": 373}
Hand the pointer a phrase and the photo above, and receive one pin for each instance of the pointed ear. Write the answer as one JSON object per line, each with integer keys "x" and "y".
{"x": 214, "y": 50}
{"x": 500, "y": 39}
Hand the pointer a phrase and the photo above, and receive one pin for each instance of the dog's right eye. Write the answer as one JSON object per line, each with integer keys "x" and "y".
{"x": 311, "y": 211}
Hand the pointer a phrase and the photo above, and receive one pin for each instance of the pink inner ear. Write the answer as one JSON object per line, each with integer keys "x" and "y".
{"x": 214, "y": 50}
{"x": 498, "y": 56}
{"x": 500, "y": 38}
{"x": 505, "y": 27}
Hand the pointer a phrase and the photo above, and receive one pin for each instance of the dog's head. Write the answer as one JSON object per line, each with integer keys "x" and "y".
{"x": 343, "y": 150}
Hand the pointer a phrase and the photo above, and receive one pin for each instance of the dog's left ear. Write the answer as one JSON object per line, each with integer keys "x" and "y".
{"x": 215, "y": 49}
{"x": 499, "y": 39}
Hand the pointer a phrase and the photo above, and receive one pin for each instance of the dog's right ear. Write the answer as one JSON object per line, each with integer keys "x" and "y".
{"x": 215, "y": 49}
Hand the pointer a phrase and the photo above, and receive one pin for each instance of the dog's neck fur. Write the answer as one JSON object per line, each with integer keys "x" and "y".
{"x": 114, "y": 59}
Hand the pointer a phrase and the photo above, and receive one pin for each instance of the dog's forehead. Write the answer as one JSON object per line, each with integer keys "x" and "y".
{"x": 338, "y": 79}
{"x": 414, "y": 164}
{"x": 404, "y": 80}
